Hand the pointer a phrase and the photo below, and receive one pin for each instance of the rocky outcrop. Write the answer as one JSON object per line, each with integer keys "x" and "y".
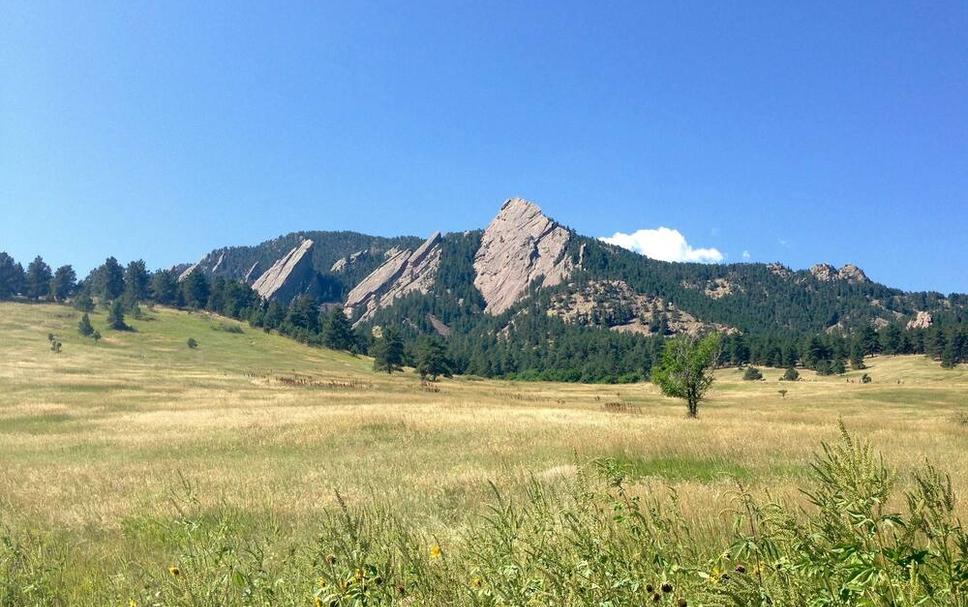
{"x": 922, "y": 320}
{"x": 403, "y": 272}
{"x": 342, "y": 263}
{"x": 824, "y": 272}
{"x": 520, "y": 245}
{"x": 289, "y": 276}
{"x": 779, "y": 269}
{"x": 615, "y": 305}
{"x": 250, "y": 275}
{"x": 210, "y": 265}
{"x": 852, "y": 274}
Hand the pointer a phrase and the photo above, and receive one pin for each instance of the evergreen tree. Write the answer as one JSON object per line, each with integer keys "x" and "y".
{"x": 11, "y": 276}
{"x": 63, "y": 283}
{"x": 116, "y": 316}
{"x": 891, "y": 339}
{"x": 791, "y": 374}
{"x": 869, "y": 341}
{"x": 432, "y": 359}
{"x": 84, "y": 303}
{"x": 85, "y": 327}
{"x": 109, "y": 280}
{"x": 38, "y": 279}
{"x": 135, "y": 283}
{"x": 686, "y": 369}
{"x": 388, "y": 351}
{"x": 195, "y": 290}
{"x": 857, "y": 354}
{"x": 337, "y": 330}
{"x": 274, "y": 316}
{"x": 164, "y": 287}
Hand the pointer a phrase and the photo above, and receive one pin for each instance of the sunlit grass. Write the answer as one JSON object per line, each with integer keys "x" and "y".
{"x": 94, "y": 439}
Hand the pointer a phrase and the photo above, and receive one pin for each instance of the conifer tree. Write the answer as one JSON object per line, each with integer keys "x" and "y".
{"x": 38, "y": 279}
{"x": 388, "y": 352}
{"x": 337, "y": 330}
{"x": 432, "y": 359}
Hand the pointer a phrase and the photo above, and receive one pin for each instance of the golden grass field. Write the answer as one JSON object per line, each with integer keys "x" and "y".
{"x": 96, "y": 438}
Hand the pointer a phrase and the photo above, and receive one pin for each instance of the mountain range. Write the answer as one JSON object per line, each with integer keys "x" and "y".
{"x": 525, "y": 262}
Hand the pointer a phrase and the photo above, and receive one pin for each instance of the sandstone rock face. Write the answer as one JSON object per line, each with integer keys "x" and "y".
{"x": 779, "y": 269}
{"x": 520, "y": 245}
{"x": 403, "y": 272}
{"x": 289, "y": 276}
{"x": 210, "y": 264}
{"x": 923, "y": 320}
{"x": 344, "y": 262}
{"x": 852, "y": 274}
{"x": 824, "y": 272}
{"x": 250, "y": 275}
{"x": 615, "y": 305}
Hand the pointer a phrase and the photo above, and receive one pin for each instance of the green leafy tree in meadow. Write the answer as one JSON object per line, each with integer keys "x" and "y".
{"x": 38, "y": 279}
{"x": 791, "y": 374}
{"x": 11, "y": 276}
{"x": 685, "y": 370}
{"x": 337, "y": 330}
{"x": 388, "y": 351}
{"x": 63, "y": 283}
{"x": 85, "y": 327}
{"x": 432, "y": 359}
{"x": 116, "y": 316}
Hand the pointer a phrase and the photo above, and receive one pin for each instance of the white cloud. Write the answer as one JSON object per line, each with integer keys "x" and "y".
{"x": 664, "y": 244}
{"x": 746, "y": 255}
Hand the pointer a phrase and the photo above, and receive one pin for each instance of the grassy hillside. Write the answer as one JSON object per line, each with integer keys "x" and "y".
{"x": 106, "y": 446}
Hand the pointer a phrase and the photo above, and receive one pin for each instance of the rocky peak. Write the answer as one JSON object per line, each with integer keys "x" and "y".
{"x": 824, "y": 272}
{"x": 403, "y": 272}
{"x": 852, "y": 273}
{"x": 519, "y": 246}
{"x": 291, "y": 274}
{"x": 779, "y": 269}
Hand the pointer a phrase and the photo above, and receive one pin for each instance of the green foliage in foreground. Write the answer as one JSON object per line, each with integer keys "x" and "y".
{"x": 686, "y": 368}
{"x": 594, "y": 543}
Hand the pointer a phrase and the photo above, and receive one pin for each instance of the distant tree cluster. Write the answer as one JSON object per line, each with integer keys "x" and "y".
{"x": 795, "y": 328}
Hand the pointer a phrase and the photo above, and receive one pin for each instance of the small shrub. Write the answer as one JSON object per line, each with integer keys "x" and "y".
{"x": 85, "y": 327}
{"x": 55, "y": 346}
{"x": 865, "y": 379}
{"x": 752, "y": 374}
{"x": 228, "y": 327}
{"x": 791, "y": 374}
{"x": 96, "y": 336}
{"x": 192, "y": 343}
{"x": 783, "y": 393}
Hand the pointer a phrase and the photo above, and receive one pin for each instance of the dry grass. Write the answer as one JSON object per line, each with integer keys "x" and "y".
{"x": 94, "y": 438}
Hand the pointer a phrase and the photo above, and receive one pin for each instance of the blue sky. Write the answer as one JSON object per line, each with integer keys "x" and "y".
{"x": 798, "y": 132}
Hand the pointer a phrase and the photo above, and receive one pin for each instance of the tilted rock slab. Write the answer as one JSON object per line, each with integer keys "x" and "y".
{"x": 290, "y": 275}
{"x": 403, "y": 272}
{"x": 520, "y": 245}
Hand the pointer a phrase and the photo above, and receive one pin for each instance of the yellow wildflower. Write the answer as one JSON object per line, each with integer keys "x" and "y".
{"x": 435, "y": 551}
{"x": 174, "y": 570}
